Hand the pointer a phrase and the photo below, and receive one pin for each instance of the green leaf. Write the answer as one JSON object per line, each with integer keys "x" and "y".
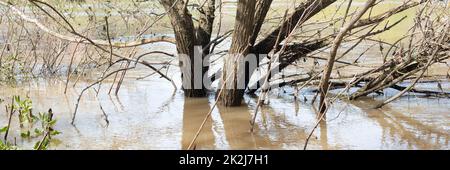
{"x": 44, "y": 144}
{"x": 36, "y": 145}
{"x": 55, "y": 132}
{"x": 25, "y": 134}
{"x": 41, "y": 116}
{"x": 7, "y": 146}
{"x": 35, "y": 118}
{"x": 4, "y": 129}
{"x": 17, "y": 99}
{"x": 38, "y": 131}
{"x": 52, "y": 123}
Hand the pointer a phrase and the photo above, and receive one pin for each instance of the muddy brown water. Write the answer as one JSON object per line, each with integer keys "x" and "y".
{"x": 149, "y": 114}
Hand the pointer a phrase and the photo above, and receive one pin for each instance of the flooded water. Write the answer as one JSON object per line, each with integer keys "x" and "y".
{"x": 149, "y": 114}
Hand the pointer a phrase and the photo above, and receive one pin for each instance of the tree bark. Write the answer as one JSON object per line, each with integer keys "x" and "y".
{"x": 233, "y": 96}
{"x": 187, "y": 37}
{"x": 302, "y": 13}
{"x": 233, "y": 71}
{"x": 292, "y": 54}
{"x": 262, "y": 7}
{"x": 203, "y": 34}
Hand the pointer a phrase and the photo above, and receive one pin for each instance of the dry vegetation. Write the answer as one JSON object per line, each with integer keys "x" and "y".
{"x": 68, "y": 39}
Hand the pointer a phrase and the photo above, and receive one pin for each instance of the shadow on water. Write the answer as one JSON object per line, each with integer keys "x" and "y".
{"x": 235, "y": 127}
{"x": 194, "y": 112}
{"x": 236, "y": 122}
{"x": 232, "y": 127}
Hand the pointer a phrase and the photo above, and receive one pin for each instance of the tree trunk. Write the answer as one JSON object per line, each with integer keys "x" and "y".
{"x": 249, "y": 20}
{"x": 233, "y": 96}
{"x": 302, "y": 13}
{"x": 233, "y": 71}
{"x": 203, "y": 35}
{"x": 191, "y": 59}
{"x": 262, "y": 7}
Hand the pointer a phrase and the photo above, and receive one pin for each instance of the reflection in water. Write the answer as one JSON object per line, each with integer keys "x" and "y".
{"x": 236, "y": 122}
{"x": 323, "y": 135}
{"x": 194, "y": 112}
{"x": 237, "y": 128}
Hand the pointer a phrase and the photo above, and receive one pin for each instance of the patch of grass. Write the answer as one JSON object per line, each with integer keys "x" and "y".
{"x": 391, "y": 35}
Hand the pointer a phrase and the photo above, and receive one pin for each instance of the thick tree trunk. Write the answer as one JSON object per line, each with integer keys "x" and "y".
{"x": 249, "y": 20}
{"x": 233, "y": 96}
{"x": 203, "y": 35}
{"x": 191, "y": 61}
{"x": 302, "y": 13}
{"x": 233, "y": 71}
{"x": 205, "y": 26}
{"x": 262, "y": 7}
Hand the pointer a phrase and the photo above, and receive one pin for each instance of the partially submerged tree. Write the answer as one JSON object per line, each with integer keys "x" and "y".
{"x": 193, "y": 23}
{"x": 295, "y": 38}
{"x": 250, "y": 17}
{"x": 187, "y": 37}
